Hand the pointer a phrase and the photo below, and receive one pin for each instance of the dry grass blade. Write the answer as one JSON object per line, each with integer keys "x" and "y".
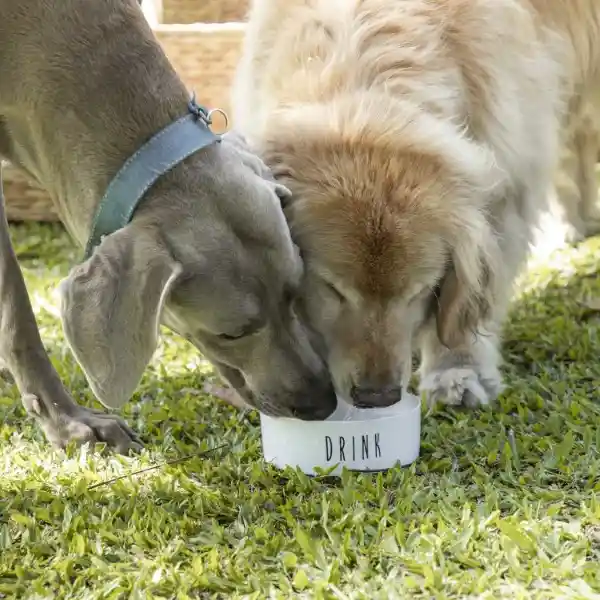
{"x": 174, "y": 461}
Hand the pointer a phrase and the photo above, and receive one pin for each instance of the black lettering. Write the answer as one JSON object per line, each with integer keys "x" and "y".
{"x": 342, "y": 446}
{"x": 328, "y": 448}
{"x": 353, "y": 448}
{"x": 377, "y": 446}
{"x": 365, "y": 447}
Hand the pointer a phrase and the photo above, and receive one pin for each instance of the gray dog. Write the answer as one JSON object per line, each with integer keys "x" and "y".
{"x": 83, "y": 86}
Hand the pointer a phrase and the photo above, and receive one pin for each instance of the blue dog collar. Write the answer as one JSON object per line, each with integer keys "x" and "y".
{"x": 160, "y": 154}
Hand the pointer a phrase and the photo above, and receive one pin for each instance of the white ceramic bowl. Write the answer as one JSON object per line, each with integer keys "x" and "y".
{"x": 367, "y": 439}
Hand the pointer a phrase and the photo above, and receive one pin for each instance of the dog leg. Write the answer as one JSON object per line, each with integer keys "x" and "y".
{"x": 466, "y": 369}
{"x": 467, "y": 376}
{"x": 22, "y": 351}
{"x": 576, "y": 182}
{"x": 587, "y": 144}
{"x": 566, "y": 200}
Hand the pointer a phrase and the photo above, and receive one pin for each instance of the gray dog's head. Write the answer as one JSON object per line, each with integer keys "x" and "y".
{"x": 209, "y": 255}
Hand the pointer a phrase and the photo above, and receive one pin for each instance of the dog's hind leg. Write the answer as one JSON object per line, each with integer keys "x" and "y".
{"x": 576, "y": 182}
{"x": 587, "y": 144}
{"x": 22, "y": 351}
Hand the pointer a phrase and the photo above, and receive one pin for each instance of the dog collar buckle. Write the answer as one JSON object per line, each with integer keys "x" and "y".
{"x": 139, "y": 173}
{"x": 206, "y": 115}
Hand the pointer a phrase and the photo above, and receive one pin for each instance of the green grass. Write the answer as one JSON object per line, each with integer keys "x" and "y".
{"x": 501, "y": 504}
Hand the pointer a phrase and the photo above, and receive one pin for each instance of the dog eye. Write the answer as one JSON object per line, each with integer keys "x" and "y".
{"x": 433, "y": 301}
{"x": 230, "y": 338}
{"x": 335, "y": 291}
{"x": 291, "y": 296}
{"x": 247, "y": 331}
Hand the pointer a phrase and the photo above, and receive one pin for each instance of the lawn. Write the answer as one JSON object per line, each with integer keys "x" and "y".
{"x": 501, "y": 504}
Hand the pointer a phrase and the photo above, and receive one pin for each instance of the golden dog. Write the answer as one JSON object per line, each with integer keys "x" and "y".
{"x": 419, "y": 139}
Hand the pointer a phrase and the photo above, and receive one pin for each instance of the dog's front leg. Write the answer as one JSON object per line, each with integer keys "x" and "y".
{"x": 22, "y": 351}
{"x": 468, "y": 376}
{"x": 459, "y": 344}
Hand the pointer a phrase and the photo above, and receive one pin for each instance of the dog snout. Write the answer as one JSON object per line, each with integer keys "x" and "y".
{"x": 311, "y": 413}
{"x": 315, "y": 403}
{"x": 365, "y": 396}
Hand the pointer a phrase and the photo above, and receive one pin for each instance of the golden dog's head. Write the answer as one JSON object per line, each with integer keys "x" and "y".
{"x": 388, "y": 208}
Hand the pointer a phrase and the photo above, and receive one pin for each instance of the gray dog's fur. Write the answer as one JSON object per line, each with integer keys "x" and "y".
{"x": 83, "y": 84}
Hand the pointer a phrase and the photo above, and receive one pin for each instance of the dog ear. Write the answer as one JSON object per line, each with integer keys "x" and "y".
{"x": 465, "y": 297}
{"x": 111, "y": 307}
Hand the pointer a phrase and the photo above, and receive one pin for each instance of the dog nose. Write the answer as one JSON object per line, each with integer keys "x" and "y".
{"x": 316, "y": 406}
{"x": 314, "y": 403}
{"x": 375, "y": 397}
{"x": 304, "y": 412}
{"x": 311, "y": 413}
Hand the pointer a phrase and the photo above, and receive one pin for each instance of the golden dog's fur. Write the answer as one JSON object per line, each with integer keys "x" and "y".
{"x": 419, "y": 139}
{"x": 576, "y": 182}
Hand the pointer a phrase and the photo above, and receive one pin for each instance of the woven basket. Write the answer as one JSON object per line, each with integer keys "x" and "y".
{"x": 204, "y": 11}
{"x": 205, "y": 57}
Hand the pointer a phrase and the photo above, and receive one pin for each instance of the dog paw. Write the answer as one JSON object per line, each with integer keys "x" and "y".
{"x": 592, "y": 228}
{"x": 82, "y": 426}
{"x": 460, "y": 386}
{"x": 574, "y": 235}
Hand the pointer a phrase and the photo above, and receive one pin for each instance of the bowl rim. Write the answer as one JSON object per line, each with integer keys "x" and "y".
{"x": 409, "y": 404}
